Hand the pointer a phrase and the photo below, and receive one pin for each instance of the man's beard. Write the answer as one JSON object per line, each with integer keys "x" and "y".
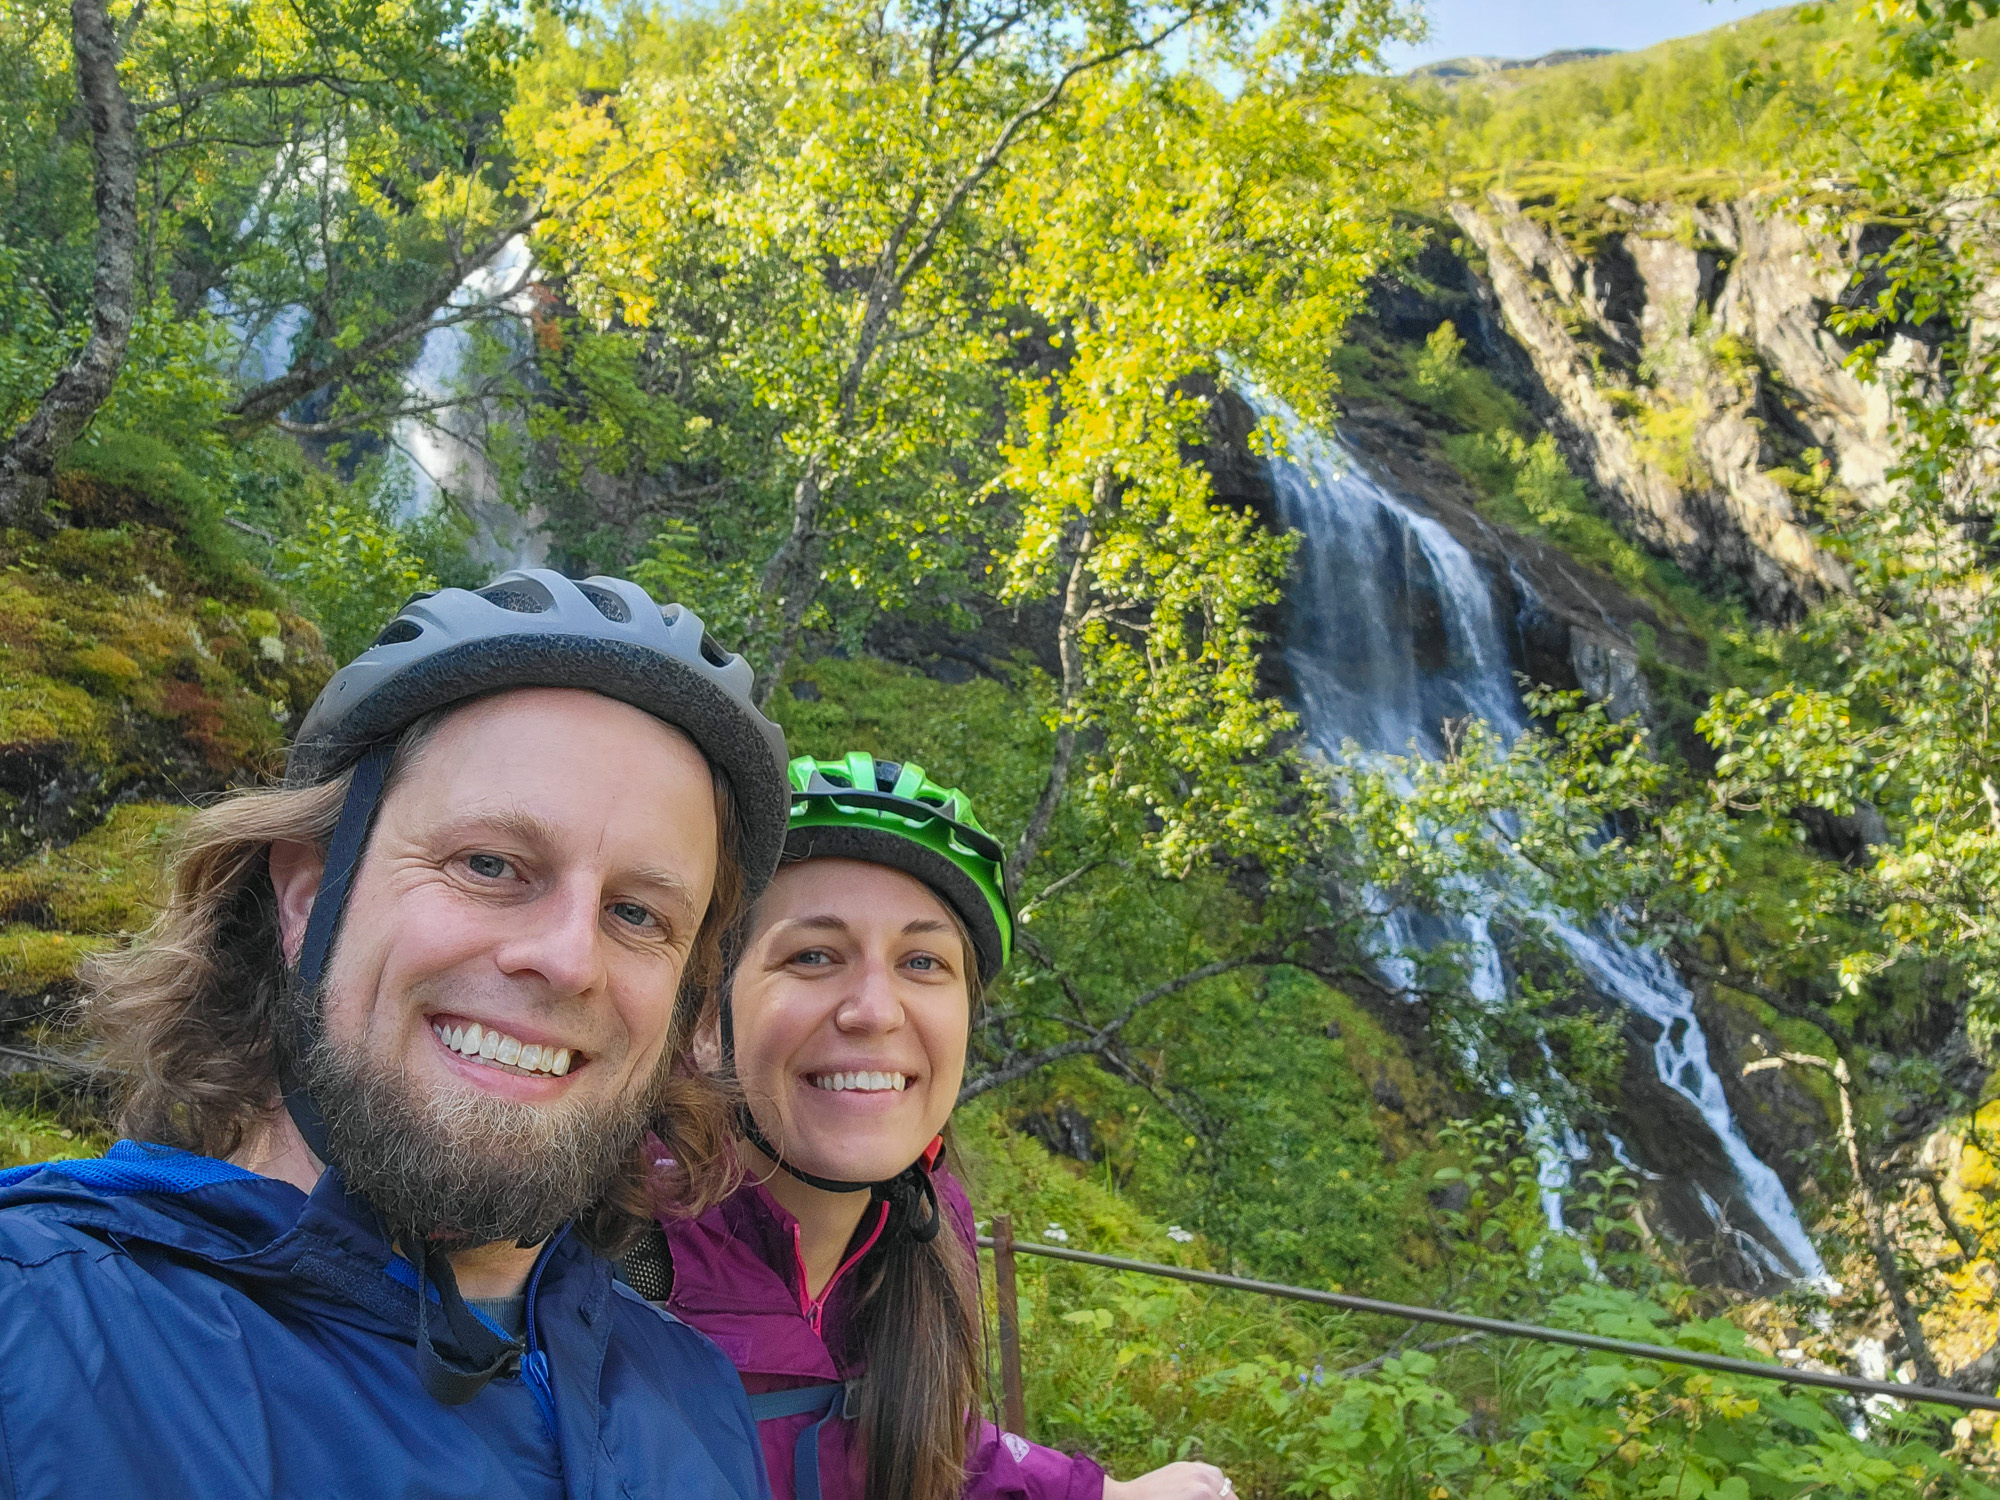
{"x": 459, "y": 1164}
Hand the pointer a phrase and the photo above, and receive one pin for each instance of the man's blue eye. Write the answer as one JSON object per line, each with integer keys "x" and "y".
{"x": 631, "y": 912}
{"x": 488, "y": 866}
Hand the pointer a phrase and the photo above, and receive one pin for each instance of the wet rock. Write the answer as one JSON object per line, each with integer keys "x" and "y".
{"x": 1065, "y": 1130}
{"x": 1847, "y": 837}
{"x": 1452, "y": 1198}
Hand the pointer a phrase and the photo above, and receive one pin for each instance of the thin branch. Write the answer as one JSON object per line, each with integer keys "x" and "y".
{"x": 1871, "y": 1212}
{"x": 1101, "y": 1040}
{"x": 266, "y": 402}
{"x": 335, "y": 81}
{"x": 1069, "y": 648}
{"x": 1367, "y": 1367}
{"x": 248, "y": 530}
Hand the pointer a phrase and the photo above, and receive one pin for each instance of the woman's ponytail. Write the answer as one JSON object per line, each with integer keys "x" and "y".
{"x": 919, "y": 1330}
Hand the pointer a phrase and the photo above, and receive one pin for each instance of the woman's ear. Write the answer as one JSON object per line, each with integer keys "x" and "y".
{"x": 295, "y": 874}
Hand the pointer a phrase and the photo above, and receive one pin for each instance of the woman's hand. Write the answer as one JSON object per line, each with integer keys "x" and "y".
{"x": 1174, "y": 1482}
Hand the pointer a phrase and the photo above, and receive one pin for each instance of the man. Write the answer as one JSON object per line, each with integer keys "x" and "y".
{"x": 397, "y": 1047}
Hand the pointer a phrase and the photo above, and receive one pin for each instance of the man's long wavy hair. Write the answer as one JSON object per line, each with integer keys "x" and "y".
{"x": 188, "y": 1013}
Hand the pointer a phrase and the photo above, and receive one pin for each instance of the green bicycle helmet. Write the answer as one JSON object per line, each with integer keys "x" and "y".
{"x": 890, "y": 813}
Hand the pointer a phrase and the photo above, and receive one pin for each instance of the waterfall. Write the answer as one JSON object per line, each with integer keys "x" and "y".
{"x": 445, "y": 451}
{"x": 1395, "y": 631}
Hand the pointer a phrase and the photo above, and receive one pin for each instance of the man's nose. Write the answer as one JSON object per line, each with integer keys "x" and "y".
{"x": 558, "y": 938}
{"x": 873, "y": 1004}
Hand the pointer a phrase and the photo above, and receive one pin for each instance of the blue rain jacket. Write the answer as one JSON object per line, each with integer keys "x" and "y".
{"x": 174, "y": 1325}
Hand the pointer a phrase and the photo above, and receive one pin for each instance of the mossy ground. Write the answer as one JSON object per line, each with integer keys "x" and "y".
{"x": 123, "y": 670}
{"x": 141, "y": 667}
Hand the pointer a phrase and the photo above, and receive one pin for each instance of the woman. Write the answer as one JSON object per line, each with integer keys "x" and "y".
{"x": 840, "y": 1279}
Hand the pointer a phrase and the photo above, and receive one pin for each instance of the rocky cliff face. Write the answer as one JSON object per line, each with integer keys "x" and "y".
{"x": 1687, "y": 370}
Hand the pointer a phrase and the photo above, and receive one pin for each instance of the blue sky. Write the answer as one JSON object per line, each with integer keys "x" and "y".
{"x": 1528, "y": 28}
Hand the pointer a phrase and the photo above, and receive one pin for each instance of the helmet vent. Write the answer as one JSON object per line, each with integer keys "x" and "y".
{"x": 522, "y": 596}
{"x": 608, "y": 604}
{"x": 711, "y": 653}
{"x": 399, "y": 631}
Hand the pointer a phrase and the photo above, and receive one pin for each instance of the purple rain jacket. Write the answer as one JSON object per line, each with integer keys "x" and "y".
{"x": 737, "y": 1277}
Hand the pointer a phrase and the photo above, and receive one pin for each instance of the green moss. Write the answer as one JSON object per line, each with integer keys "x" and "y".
{"x": 988, "y": 737}
{"x": 38, "y": 713}
{"x": 106, "y": 883}
{"x": 121, "y": 662}
{"x": 33, "y": 961}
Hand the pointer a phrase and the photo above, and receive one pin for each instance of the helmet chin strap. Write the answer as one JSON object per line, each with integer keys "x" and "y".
{"x": 450, "y": 1378}
{"x": 910, "y": 1193}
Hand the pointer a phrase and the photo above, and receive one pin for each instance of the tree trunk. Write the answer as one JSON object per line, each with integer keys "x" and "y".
{"x": 1069, "y": 650}
{"x": 28, "y": 462}
{"x": 788, "y": 582}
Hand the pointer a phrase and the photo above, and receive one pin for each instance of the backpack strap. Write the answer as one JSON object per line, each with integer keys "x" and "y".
{"x": 840, "y": 1399}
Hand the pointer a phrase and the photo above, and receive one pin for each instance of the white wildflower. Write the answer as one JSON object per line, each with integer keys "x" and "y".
{"x": 1179, "y": 1235}
{"x": 1057, "y": 1233}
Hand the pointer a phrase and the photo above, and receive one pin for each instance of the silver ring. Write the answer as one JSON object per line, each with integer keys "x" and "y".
{"x": 1228, "y": 1485}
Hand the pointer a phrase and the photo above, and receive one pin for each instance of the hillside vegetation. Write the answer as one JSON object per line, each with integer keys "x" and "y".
{"x": 895, "y": 343}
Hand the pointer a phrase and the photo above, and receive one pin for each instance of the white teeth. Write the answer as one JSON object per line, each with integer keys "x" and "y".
{"x": 496, "y": 1046}
{"x": 866, "y": 1081}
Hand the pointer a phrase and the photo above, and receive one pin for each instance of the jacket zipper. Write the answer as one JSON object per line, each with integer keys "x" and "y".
{"x": 815, "y": 1308}
{"x": 535, "y": 1363}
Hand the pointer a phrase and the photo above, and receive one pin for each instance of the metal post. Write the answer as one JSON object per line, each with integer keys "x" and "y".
{"x": 1015, "y": 1406}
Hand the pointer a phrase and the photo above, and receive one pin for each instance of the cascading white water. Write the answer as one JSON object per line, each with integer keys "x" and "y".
{"x": 1394, "y": 632}
{"x": 444, "y": 451}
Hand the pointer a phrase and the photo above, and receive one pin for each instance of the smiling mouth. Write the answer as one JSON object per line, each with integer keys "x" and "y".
{"x": 496, "y": 1049}
{"x": 861, "y": 1082}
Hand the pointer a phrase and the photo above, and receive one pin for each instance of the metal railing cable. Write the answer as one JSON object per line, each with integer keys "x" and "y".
{"x": 1501, "y": 1327}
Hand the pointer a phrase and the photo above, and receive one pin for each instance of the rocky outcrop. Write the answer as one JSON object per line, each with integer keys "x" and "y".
{"x": 1689, "y": 373}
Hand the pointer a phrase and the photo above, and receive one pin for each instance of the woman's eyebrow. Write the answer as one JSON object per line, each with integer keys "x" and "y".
{"x": 925, "y": 924}
{"x": 826, "y": 922}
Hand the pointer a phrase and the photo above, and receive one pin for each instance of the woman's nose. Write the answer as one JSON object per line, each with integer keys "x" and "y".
{"x": 872, "y": 1005}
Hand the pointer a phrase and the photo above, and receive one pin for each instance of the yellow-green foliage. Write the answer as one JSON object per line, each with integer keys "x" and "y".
{"x": 1115, "y": 1362}
{"x": 1666, "y": 443}
{"x": 1718, "y": 106}
{"x": 27, "y": 1136}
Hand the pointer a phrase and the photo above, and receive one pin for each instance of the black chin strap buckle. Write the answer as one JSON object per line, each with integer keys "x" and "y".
{"x": 913, "y": 1203}
{"x": 454, "y": 1381}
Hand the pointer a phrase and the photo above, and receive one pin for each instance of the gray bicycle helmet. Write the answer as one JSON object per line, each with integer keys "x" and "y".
{"x": 536, "y": 628}
{"x": 533, "y": 628}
